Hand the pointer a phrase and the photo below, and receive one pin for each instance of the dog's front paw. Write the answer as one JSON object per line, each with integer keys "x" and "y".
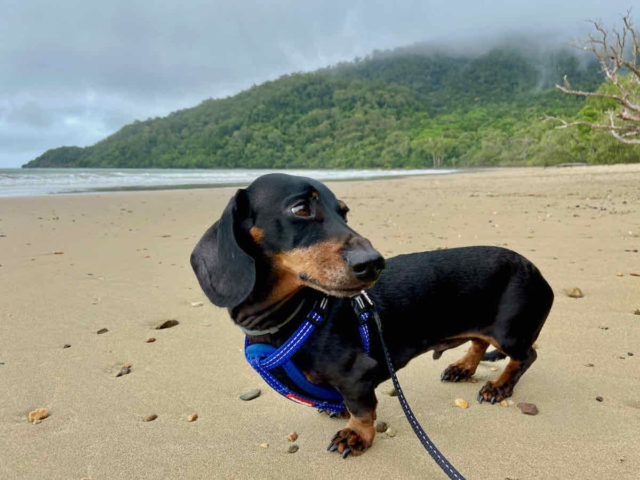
{"x": 493, "y": 393}
{"x": 350, "y": 442}
{"x": 455, "y": 373}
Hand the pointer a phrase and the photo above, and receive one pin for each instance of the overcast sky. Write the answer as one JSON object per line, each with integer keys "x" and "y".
{"x": 75, "y": 71}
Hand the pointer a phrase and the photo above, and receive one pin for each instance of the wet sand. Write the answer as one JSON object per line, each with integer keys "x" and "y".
{"x": 124, "y": 266}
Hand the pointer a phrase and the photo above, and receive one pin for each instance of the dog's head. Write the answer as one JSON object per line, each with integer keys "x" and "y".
{"x": 278, "y": 235}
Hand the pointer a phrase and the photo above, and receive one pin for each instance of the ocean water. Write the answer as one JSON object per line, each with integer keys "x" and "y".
{"x": 51, "y": 181}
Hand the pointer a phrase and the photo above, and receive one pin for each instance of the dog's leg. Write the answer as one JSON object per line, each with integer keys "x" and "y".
{"x": 464, "y": 368}
{"x": 502, "y": 388}
{"x": 359, "y": 433}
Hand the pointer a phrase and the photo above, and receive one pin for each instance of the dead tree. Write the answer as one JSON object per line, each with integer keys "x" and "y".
{"x": 618, "y": 52}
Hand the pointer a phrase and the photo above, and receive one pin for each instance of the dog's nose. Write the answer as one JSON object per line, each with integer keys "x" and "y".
{"x": 365, "y": 263}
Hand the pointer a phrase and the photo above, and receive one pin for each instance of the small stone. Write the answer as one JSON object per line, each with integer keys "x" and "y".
{"x": 528, "y": 408}
{"x": 461, "y": 403}
{"x": 196, "y": 304}
{"x": 150, "y": 418}
{"x": 292, "y": 448}
{"x": 473, "y": 380}
{"x": 637, "y": 311}
{"x": 167, "y": 324}
{"x": 102, "y": 330}
{"x": 66, "y": 345}
{"x": 150, "y": 340}
{"x": 292, "y": 437}
{"x": 250, "y": 395}
{"x": 37, "y": 415}
{"x": 264, "y": 445}
{"x": 494, "y": 369}
{"x": 574, "y": 292}
{"x": 392, "y": 392}
{"x": 589, "y": 365}
{"x": 620, "y": 274}
{"x": 124, "y": 371}
{"x": 634, "y": 274}
{"x": 504, "y": 403}
{"x": 630, "y": 354}
{"x": 193, "y": 417}
{"x": 603, "y": 327}
{"x": 381, "y": 427}
{"x": 58, "y": 252}
{"x": 599, "y": 398}
{"x": 390, "y": 433}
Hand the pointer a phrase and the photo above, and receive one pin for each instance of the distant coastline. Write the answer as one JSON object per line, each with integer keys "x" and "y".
{"x": 18, "y": 182}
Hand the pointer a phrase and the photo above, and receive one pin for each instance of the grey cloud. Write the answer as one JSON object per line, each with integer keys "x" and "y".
{"x": 74, "y": 71}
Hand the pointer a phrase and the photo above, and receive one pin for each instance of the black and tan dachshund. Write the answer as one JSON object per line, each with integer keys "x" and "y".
{"x": 284, "y": 241}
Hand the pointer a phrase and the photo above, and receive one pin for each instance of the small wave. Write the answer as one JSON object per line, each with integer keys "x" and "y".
{"x": 34, "y": 182}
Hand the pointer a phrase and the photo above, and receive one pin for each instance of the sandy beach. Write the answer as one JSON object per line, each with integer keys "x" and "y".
{"x": 74, "y": 264}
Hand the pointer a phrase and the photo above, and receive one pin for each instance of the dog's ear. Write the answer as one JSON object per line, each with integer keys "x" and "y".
{"x": 226, "y": 273}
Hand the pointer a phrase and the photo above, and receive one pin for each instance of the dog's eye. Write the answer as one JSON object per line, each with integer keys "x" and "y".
{"x": 301, "y": 210}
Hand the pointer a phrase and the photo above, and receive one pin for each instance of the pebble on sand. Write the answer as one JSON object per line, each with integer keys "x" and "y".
{"x": 381, "y": 427}
{"x": 637, "y": 311}
{"x": 250, "y": 395}
{"x": 264, "y": 445}
{"x": 292, "y": 437}
{"x": 599, "y": 398}
{"x": 66, "y": 345}
{"x": 125, "y": 370}
{"x": 574, "y": 292}
{"x": 197, "y": 304}
{"x": 461, "y": 403}
{"x": 150, "y": 340}
{"x": 292, "y": 448}
{"x": 392, "y": 392}
{"x": 390, "y": 433}
{"x": 37, "y": 415}
{"x": 102, "y": 330}
{"x": 168, "y": 324}
{"x": 150, "y": 418}
{"x": 193, "y": 417}
{"x": 528, "y": 408}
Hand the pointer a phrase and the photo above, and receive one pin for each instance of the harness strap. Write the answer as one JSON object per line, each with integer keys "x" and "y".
{"x": 265, "y": 358}
{"x": 362, "y": 303}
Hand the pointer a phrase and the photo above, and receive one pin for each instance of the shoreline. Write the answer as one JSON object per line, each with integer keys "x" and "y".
{"x": 223, "y": 184}
{"x": 123, "y": 264}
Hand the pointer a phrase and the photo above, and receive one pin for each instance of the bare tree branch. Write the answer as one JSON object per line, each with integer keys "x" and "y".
{"x": 611, "y": 48}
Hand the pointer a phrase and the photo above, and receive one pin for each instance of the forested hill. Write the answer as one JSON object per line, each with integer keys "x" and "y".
{"x": 392, "y": 109}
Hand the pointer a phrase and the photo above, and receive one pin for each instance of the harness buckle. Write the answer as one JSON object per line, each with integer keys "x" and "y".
{"x": 362, "y": 306}
{"x": 316, "y": 315}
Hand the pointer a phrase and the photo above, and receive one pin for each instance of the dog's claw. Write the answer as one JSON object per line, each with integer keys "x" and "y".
{"x": 346, "y": 452}
{"x": 332, "y": 447}
{"x": 334, "y": 415}
{"x": 457, "y": 378}
{"x": 444, "y": 377}
{"x": 493, "y": 400}
{"x": 480, "y": 398}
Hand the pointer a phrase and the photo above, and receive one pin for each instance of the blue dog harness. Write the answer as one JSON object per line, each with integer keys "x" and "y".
{"x": 267, "y": 360}
{"x": 277, "y": 369}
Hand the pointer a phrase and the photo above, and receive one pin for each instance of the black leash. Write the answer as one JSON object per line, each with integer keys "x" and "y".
{"x": 364, "y": 307}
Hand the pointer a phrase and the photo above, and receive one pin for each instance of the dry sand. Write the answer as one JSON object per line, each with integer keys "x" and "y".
{"x": 125, "y": 267}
